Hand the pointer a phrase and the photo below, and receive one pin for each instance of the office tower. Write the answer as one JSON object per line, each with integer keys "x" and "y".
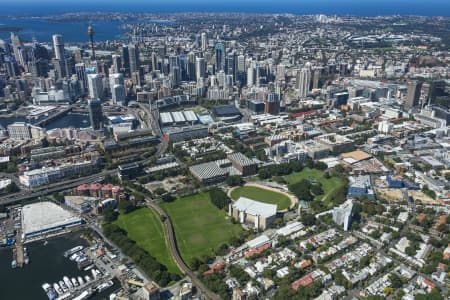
{"x": 91, "y": 39}
{"x": 437, "y": 89}
{"x": 241, "y": 63}
{"x": 133, "y": 54}
{"x": 200, "y": 68}
{"x": 11, "y": 67}
{"x": 154, "y": 61}
{"x": 116, "y": 63}
{"x": 58, "y": 46}
{"x": 95, "y": 113}
{"x": 316, "y": 78}
{"x": 16, "y": 45}
{"x": 191, "y": 66}
{"x": 221, "y": 78}
{"x": 80, "y": 70}
{"x": 174, "y": 61}
{"x": 232, "y": 64}
{"x": 125, "y": 59}
{"x": 413, "y": 95}
{"x": 204, "y": 41}
{"x": 117, "y": 87}
{"x": 95, "y": 83}
{"x": 220, "y": 57}
{"x": 257, "y": 75}
{"x": 250, "y": 76}
{"x": 303, "y": 82}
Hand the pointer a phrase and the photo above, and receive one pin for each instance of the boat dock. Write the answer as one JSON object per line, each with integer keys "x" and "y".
{"x": 19, "y": 255}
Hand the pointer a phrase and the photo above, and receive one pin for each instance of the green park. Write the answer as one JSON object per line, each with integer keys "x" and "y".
{"x": 200, "y": 227}
{"x": 263, "y": 195}
{"x": 145, "y": 228}
{"x": 330, "y": 185}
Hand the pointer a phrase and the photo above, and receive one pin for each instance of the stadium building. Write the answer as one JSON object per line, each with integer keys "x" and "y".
{"x": 253, "y": 213}
{"x": 46, "y": 217}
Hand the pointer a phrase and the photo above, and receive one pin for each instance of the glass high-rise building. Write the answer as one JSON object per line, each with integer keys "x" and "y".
{"x": 95, "y": 113}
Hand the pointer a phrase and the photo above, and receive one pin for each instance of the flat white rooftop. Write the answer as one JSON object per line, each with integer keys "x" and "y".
{"x": 255, "y": 208}
{"x": 42, "y": 216}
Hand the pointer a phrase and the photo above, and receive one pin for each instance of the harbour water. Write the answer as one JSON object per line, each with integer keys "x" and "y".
{"x": 47, "y": 264}
{"x": 42, "y": 30}
{"x": 70, "y": 120}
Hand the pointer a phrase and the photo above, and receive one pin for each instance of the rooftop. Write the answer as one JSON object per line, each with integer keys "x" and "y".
{"x": 255, "y": 208}
{"x": 45, "y": 215}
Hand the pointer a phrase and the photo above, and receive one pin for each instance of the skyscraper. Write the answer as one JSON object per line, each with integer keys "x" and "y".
{"x": 116, "y": 85}
{"x": 58, "y": 46}
{"x": 200, "y": 67}
{"x": 232, "y": 64}
{"x": 191, "y": 66}
{"x": 91, "y": 39}
{"x": 250, "y": 76}
{"x": 204, "y": 41}
{"x": 220, "y": 57}
{"x": 17, "y": 46}
{"x": 95, "y": 83}
{"x": 303, "y": 82}
{"x": 125, "y": 59}
{"x": 133, "y": 54}
{"x": 116, "y": 63}
{"x": 95, "y": 113}
{"x": 80, "y": 70}
{"x": 413, "y": 95}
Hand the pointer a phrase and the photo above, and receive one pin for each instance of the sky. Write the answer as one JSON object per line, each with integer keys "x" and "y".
{"x": 356, "y": 7}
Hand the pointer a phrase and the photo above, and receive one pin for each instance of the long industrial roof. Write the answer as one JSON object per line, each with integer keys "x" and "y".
{"x": 45, "y": 215}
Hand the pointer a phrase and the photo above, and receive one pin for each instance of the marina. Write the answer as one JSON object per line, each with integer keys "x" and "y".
{"x": 50, "y": 266}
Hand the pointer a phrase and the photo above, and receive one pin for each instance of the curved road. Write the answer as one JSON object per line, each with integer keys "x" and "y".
{"x": 177, "y": 257}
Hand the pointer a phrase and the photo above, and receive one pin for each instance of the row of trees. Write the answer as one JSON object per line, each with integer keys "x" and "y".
{"x": 219, "y": 198}
{"x": 288, "y": 168}
{"x": 160, "y": 175}
{"x": 142, "y": 258}
{"x": 305, "y": 190}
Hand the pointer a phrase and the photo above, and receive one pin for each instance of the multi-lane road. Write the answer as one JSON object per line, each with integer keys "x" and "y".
{"x": 52, "y": 188}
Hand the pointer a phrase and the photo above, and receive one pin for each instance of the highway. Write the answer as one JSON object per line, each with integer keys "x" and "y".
{"x": 177, "y": 257}
{"x": 52, "y": 188}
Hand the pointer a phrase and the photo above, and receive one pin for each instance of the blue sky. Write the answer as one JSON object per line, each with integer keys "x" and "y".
{"x": 356, "y": 7}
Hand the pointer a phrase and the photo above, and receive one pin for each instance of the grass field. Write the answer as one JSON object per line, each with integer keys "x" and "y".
{"x": 255, "y": 193}
{"x": 145, "y": 228}
{"x": 200, "y": 227}
{"x": 328, "y": 185}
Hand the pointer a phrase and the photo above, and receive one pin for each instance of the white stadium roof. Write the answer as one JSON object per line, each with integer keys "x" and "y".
{"x": 255, "y": 208}
{"x": 42, "y": 216}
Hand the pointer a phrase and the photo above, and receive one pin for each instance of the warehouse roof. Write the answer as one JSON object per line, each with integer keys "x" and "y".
{"x": 255, "y": 208}
{"x": 240, "y": 159}
{"x": 208, "y": 170}
{"x": 41, "y": 216}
